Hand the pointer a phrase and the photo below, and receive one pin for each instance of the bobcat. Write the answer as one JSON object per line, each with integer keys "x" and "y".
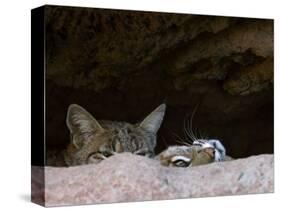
{"x": 199, "y": 153}
{"x": 92, "y": 141}
{"x": 195, "y": 151}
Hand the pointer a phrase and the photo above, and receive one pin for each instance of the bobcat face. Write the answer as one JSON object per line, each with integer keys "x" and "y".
{"x": 199, "y": 153}
{"x": 195, "y": 151}
{"x": 93, "y": 141}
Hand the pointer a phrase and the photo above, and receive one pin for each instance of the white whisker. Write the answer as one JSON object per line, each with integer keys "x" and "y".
{"x": 191, "y": 120}
{"x": 190, "y": 130}
{"x": 180, "y": 140}
{"x": 186, "y": 132}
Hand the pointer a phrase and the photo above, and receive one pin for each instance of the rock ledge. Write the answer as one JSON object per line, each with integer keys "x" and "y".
{"x": 126, "y": 177}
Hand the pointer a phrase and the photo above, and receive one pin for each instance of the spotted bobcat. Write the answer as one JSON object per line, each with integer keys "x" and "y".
{"x": 92, "y": 141}
{"x": 199, "y": 153}
{"x": 195, "y": 150}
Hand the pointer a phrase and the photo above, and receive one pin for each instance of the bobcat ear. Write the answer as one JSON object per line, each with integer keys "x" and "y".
{"x": 79, "y": 120}
{"x": 153, "y": 121}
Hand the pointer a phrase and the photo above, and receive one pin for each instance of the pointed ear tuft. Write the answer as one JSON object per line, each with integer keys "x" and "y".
{"x": 78, "y": 120}
{"x": 153, "y": 121}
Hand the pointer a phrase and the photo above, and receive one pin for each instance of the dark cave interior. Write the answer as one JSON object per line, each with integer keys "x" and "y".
{"x": 120, "y": 65}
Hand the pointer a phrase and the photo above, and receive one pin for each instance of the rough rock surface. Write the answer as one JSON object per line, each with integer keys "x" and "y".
{"x": 127, "y": 177}
{"x": 94, "y": 48}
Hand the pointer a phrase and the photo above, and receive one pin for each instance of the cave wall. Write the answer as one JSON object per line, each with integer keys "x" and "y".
{"x": 120, "y": 65}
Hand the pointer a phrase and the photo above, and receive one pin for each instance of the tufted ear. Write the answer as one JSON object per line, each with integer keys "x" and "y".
{"x": 153, "y": 121}
{"x": 78, "y": 120}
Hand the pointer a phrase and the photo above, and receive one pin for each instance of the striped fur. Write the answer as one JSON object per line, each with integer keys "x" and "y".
{"x": 93, "y": 141}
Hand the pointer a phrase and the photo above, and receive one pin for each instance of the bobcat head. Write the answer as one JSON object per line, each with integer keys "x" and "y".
{"x": 92, "y": 141}
{"x": 196, "y": 150}
{"x": 199, "y": 153}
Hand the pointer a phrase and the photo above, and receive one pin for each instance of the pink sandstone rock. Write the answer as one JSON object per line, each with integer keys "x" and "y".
{"x": 126, "y": 177}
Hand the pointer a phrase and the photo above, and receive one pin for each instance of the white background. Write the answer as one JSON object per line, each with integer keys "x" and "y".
{"x": 15, "y": 103}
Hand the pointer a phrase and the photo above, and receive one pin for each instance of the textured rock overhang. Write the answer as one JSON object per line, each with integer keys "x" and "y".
{"x": 120, "y": 65}
{"x": 127, "y": 177}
